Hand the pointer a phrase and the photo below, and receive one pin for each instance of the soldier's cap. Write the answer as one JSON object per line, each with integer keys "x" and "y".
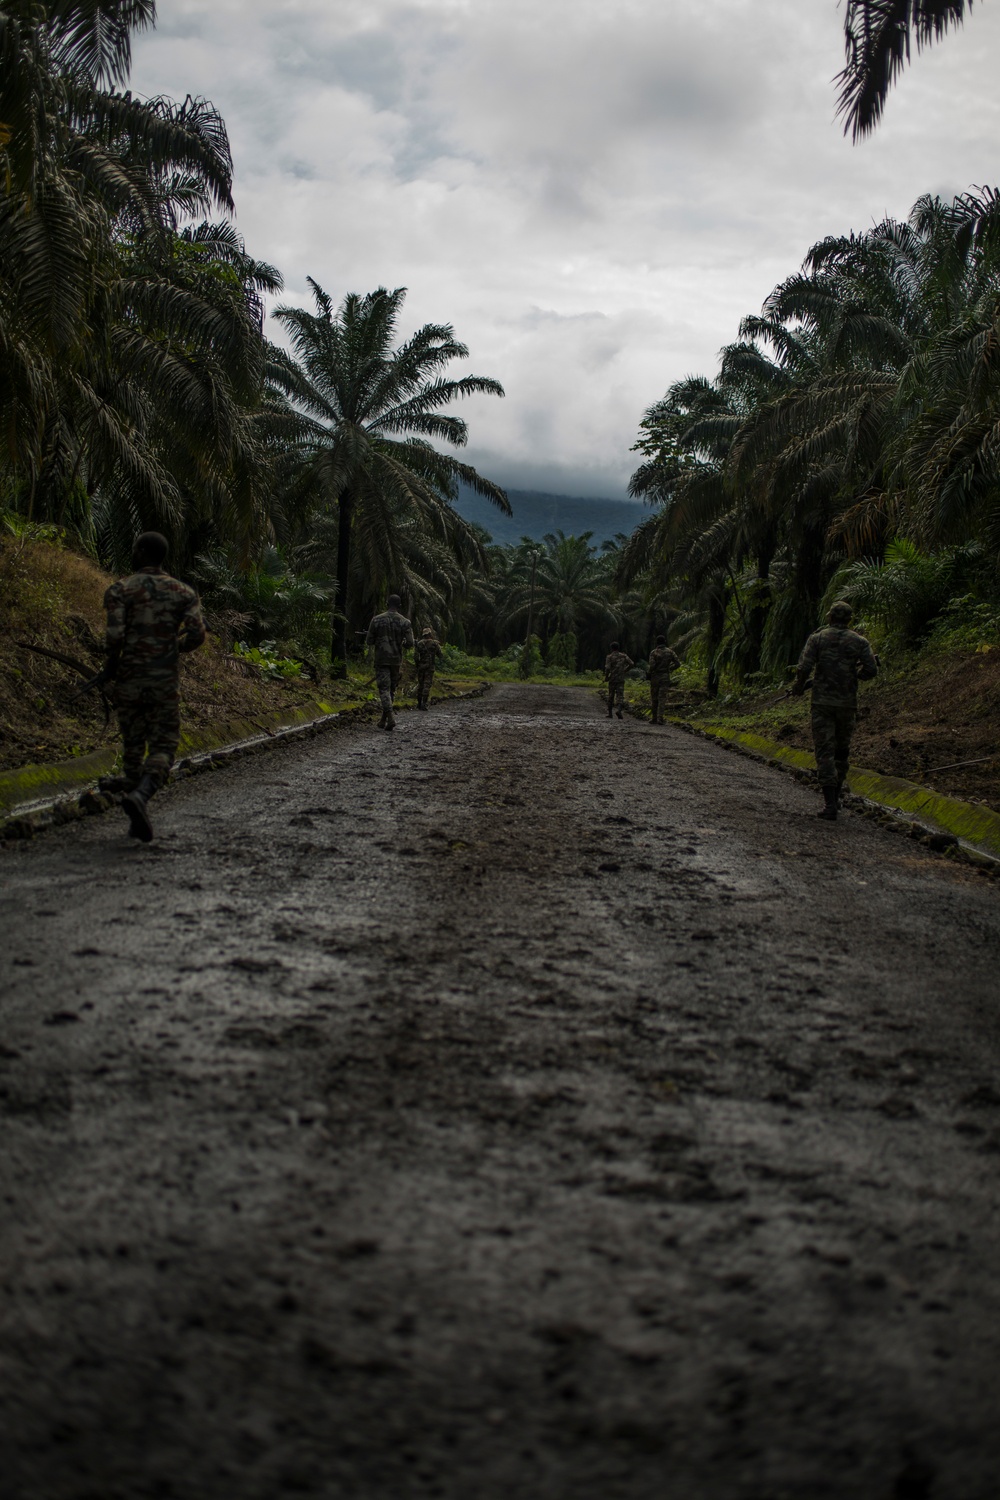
{"x": 427, "y": 630}
{"x": 840, "y": 613}
{"x": 393, "y": 601}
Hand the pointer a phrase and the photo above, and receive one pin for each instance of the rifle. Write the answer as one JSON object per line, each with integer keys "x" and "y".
{"x": 789, "y": 694}
{"x": 96, "y": 681}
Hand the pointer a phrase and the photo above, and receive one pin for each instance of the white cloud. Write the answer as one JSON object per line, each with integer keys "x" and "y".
{"x": 593, "y": 195}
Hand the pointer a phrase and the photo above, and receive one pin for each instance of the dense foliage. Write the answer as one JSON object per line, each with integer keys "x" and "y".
{"x": 137, "y": 388}
{"x": 849, "y": 442}
{"x": 861, "y": 409}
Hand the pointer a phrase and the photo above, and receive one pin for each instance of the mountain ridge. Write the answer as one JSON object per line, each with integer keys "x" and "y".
{"x": 537, "y": 512}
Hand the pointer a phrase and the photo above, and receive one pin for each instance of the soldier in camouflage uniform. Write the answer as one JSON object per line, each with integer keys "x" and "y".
{"x": 838, "y": 659}
{"x": 390, "y": 634}
{"x": 662, "y": 661}
{"x": 615, "y": 667}
{"x": 425, "y": 655}
{"x": 151, "y": 619}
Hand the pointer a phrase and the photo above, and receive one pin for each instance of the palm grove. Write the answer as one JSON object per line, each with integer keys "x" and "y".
{"x": 847, "y": 442}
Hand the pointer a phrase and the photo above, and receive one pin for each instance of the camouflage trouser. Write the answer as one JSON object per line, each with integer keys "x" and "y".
{"x": 831, "y": 731}
{"x": 616, "y": 693}
{"x": 425, "y": 677}
{"x": 150, "y": 722}
{"x": 658, "y": 689}
{"x": 386, "y": 679}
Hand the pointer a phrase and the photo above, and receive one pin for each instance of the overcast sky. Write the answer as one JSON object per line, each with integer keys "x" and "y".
{"x": 592, "y": 193}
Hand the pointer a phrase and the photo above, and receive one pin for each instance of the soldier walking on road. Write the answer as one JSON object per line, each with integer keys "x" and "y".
{"x": 425, "y": 655}
{"x": 662, "y": 661}
{"x": 615, "y": 667}
{"x": 390, "y": 634}
{"x": 152, "y": 618}
{"x": 838, "y": 659}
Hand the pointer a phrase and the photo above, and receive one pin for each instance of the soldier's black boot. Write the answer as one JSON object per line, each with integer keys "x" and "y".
{"x": 829, "y": 809}
{"x": 134, "y": 805}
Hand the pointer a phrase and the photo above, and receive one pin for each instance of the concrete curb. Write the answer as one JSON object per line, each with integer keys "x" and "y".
{"x": 25, "y": 819}
{"x": 944, "y": 824}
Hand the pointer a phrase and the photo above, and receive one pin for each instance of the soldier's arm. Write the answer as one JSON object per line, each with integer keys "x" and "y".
{"x": 370, "y": 637}
{"x": 806, "y": 663}
{"x": 630, "y": 663}
{"x": 868, "y": 665}
{"x": 193, "y": 630}
{"x": 674, "y": 659}
{"x": 114, "y": 636}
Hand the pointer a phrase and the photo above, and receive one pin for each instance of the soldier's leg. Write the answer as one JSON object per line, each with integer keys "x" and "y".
{"x": 160, "y": 719}
{"x": 824, "y": 732}
{"x": 163, "y": 735}
{"x": 428, "y": 684}
{"x": 132, "y": 723}
{"x": 842, "y": 746}
{"x": 387, "y": 678}
{"x": 383, "y": 683}
{"x": 619, "y": 698}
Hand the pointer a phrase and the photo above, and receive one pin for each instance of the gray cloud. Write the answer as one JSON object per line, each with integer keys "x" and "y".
{"x": 592, "y": 195}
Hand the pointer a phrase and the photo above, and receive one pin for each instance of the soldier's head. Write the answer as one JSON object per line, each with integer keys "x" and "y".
{"x": 427, "y": 631}
{"x": 149, "y": 550}
{"x": 661, "y": 640}
{"x": 393, "y": 601}
{"x": 615, "y": 646}
{"x": 840, "y": 613}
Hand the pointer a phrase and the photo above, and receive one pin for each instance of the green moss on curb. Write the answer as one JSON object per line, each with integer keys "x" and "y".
{"x": 978, "y": 827}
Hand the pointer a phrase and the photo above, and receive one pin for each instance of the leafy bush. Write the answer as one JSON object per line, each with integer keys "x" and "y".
{"x": 267, "y": 662}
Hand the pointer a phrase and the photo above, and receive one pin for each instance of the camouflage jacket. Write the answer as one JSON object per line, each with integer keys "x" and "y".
{"x": 662, "y": 661}
{"x": 617, "y": 665}
{"x": 426, "y": 653}
{"x": 151, "y": 619}
{"x": 390, "y": 634}
{"x": 839, "y": 659}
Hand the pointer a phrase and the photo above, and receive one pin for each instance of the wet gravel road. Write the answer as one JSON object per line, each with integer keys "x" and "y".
{"x": 522, "y": 1104}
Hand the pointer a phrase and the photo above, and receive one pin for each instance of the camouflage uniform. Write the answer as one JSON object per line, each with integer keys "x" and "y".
{"x": 425, "y": 655}
{"x": 390, "y": 634}
{"x": 839, "y": 659}
{"x": 151, "y": 619}
{"x": 615, "y": 667}
{"x": 662, "y": 661}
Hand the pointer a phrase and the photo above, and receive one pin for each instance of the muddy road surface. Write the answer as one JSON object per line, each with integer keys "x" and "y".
{"x": 521, "y": 1104}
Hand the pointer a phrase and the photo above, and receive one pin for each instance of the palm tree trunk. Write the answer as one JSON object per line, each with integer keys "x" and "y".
{"x": 338, "y": 642}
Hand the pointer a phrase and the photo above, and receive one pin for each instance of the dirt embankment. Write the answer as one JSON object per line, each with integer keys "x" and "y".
{"x": 945, "y": 709}
{"x": 52, "y": 598}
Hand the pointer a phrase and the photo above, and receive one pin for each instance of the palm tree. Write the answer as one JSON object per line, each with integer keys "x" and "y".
{"x": 131, "y": 349}
{"x": 878, "y": 36}
{"x": 368, "y": 411}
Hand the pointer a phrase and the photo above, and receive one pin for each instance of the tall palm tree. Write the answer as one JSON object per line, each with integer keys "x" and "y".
{"x": 131, "y": 349}
{"x": 369, "y": 410}
{"x": 878, "y": 36}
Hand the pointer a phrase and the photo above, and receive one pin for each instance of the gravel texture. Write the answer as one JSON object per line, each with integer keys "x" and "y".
{"x": 519, "y": 1104}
